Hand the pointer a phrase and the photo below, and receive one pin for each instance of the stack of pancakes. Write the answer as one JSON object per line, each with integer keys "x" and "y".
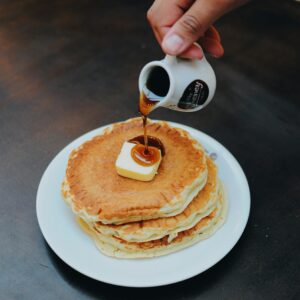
{"x": 127, "y": 218}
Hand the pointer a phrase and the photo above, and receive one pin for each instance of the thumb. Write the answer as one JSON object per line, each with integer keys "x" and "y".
{"x": 192, "y": 25}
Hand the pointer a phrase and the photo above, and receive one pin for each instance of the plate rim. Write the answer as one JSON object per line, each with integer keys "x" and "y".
{"x": 191, "y": 130}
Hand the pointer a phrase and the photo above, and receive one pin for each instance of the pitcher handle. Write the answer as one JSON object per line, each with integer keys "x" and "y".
{"x": 170, "y": 59}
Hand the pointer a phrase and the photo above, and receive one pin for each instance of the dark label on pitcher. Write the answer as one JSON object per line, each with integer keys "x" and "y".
{"x": 194, "y": 95}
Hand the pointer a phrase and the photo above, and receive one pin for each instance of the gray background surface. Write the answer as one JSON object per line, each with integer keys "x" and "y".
{"x": 67, "y": 67}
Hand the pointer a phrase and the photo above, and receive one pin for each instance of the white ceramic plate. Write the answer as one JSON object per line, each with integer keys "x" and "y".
{"x": 68, "y": 241}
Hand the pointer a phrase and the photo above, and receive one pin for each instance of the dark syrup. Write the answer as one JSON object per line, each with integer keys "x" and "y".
{"x": 144, "y": 158}
{"x": 152, "y": 142}
{"x": 158, "y": 82}
{"x": 145, "y": 107}
{"x": 146, "y": 152}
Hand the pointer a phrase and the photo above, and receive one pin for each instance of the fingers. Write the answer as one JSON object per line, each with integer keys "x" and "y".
{"x": 161, "y": 33}
{"x": 193, "y": 52}
{"x": 178, "y": 23}
{"x": 210, "y": 43}
{"x": 212, "y": 46}
{"x": 187, "y": 29}
{"x": 213, "y": 33}
{"x": 193, "y": 24}
{"x": 164, "y": 13}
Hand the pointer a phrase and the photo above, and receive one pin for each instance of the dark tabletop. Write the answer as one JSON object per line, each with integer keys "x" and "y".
{"x": 67, "y": 67}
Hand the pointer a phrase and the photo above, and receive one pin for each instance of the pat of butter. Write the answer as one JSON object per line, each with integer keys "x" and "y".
{"x": 127, "y": 167}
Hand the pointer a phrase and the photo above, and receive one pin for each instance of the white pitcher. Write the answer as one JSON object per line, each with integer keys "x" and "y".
{"x": 179, "y": 84}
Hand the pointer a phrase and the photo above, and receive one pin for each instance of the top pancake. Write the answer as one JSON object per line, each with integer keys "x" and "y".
{"x": 97, "y": 193}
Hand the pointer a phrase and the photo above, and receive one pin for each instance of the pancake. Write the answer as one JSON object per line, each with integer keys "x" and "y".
{"x": 117, "y": 247}
{"x": 96, "y": 192}
{"x": 201, "y": 206}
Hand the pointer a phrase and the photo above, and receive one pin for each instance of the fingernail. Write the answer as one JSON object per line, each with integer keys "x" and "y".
{"x": 172, "y": 44}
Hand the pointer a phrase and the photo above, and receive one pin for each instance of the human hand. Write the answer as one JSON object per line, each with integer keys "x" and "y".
{"x": 178, "y": 24}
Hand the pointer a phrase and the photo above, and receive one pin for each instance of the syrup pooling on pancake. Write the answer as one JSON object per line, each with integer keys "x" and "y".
{"x": 152, "y": 141}
{"x": 143, "y": 157}
{"x": 150, "y": 157}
